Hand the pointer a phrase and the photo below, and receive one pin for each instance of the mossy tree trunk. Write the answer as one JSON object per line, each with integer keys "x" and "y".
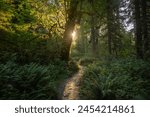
{"x": 69, "y": 28}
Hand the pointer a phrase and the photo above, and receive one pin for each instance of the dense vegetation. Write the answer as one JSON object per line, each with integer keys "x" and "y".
{"x": 116, "y": 79}
{"x": 42, "y": 40}
{"x": 30, "y": 65}
{"x": 31, "y": 81}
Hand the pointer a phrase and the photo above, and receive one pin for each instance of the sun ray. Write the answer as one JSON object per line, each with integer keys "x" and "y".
{"x": 73, "y": 34}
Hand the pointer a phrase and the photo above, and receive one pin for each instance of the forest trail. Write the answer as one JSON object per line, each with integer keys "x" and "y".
{"x": 72, "y": 85}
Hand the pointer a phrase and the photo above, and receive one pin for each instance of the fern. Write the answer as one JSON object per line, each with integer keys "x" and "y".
{"x": 30, "y": 81}
{"x": 117, "y": 79}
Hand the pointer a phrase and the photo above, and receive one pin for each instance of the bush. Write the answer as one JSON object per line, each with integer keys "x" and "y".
{"x": 117, "y": 79}
{"x": 87, "y": 60}
{"x": 30, "y": 81}
{"x": 27, "y": 48}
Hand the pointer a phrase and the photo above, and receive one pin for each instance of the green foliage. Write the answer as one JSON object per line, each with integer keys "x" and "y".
{"x": 73, "y": 66}
{"x": 28, "y": 47}
{"x": 4, "y": 5}
{"x": 116, "y": 79}
{"x": 31, "y": 81}
{"x": 31, "y": 36}
{"x": 87, "y": 60}
{"x": 22, "y": 12}
{"x": 30, "y": 43}
{"x": 29, "y": 39}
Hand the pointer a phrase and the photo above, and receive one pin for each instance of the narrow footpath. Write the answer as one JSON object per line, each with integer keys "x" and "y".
{"x": 72, "y": 85}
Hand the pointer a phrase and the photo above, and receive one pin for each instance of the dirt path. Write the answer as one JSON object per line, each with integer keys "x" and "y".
{"x": 71, "y": 87}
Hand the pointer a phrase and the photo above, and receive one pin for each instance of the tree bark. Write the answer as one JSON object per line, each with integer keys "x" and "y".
{"x": 145, "y": 29}
{"x": 109, "y": 31}
{"x": 69, "y": 28}
{"x": 139, "y": 41}
{"x": 94, "y": 36}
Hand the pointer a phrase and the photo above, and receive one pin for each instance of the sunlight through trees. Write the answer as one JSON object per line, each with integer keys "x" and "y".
{"x": 42, "y": 40}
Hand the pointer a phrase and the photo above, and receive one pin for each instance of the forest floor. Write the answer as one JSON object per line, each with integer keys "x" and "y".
{"x": 72, "y": 85}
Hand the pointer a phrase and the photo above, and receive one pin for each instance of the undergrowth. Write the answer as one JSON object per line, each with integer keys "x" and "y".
{"x": 31, "y": 81}
{"x": 116, "y": 79}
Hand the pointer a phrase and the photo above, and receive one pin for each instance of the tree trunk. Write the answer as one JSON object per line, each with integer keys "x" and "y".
{"x": 109, "y": 17}
{"x": 139, "y": 41}
{"x": 94, "y": 31}
{"x": 145, "y": 30}
{"x": 94, "y": 37}
{"x": 69, "y": 28}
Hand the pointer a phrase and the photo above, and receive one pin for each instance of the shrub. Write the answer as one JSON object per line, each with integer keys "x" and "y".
{"x": 116, "y": 79}
{"x": 27, "y": 47}
{"x": 30, "y": 81}
{"x": 87, "y": 60}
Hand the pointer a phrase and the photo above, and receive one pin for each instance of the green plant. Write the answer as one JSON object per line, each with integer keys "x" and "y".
{"x": 116, "y": 79}
{"x": 30, "y": 81}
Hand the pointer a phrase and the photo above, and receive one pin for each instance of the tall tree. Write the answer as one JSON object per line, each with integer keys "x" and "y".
{"x": 109, "y": 24}
{"x": 113, "y": 25}
{"x": 141, "y": 25}
{"x": 138, "y": 25}
{"x": 146, "y": 23}
{"x": 69, "y": 28}
{"x": 94, "y": 30}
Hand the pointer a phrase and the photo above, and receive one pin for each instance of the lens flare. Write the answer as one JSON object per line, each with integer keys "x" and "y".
{"x": 73, "y": 35}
